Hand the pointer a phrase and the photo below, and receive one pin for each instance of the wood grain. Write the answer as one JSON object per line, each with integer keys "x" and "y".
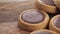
{"x": 11, "y": 28}
{"x": 9, "y": 13}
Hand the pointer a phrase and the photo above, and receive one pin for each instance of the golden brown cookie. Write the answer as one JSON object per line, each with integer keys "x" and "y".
{"x": 55, "y": 24}
{"x": 57, "y": 3}
{"x": 43, "y": 31}
{"x": 33, "y": 19}
{"x": 46, "y": 5}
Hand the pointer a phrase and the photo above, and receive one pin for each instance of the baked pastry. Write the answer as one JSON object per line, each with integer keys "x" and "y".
{"x": 46, "y": 5}
{"x": 57, "y": 3}
{"x": 33, "y": 19}
{"x": 43, "y": 31}
{"x": 55, "y": 24}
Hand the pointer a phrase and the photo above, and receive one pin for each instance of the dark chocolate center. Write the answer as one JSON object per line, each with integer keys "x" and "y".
{"x": 33, "y": 16}
{"x": 43, "y": 32}
{"x": 57, "y": 22}
{"x": 48, "y": 2}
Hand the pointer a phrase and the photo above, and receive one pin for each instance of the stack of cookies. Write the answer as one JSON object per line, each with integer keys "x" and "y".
{"x": 37, "y": 20}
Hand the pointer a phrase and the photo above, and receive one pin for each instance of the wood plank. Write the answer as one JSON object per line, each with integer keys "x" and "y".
{"x": 10, "y": 11}
{"x": 11, "y": 28}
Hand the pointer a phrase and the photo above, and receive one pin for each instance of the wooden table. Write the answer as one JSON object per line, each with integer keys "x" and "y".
{"x": 9, "y": 16}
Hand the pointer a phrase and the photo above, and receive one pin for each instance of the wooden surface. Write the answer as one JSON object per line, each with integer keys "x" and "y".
{"x": 11, "y": 28}
{"x": 10, "y": 11}
{"x": 9, "y": 16}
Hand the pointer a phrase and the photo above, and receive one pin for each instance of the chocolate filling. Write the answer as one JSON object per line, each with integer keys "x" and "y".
{"x": 44, "y": 32}
{"x": 57, "y": 22}
{"x": 33, "y": 16}
{"x": 48, "y": 2}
